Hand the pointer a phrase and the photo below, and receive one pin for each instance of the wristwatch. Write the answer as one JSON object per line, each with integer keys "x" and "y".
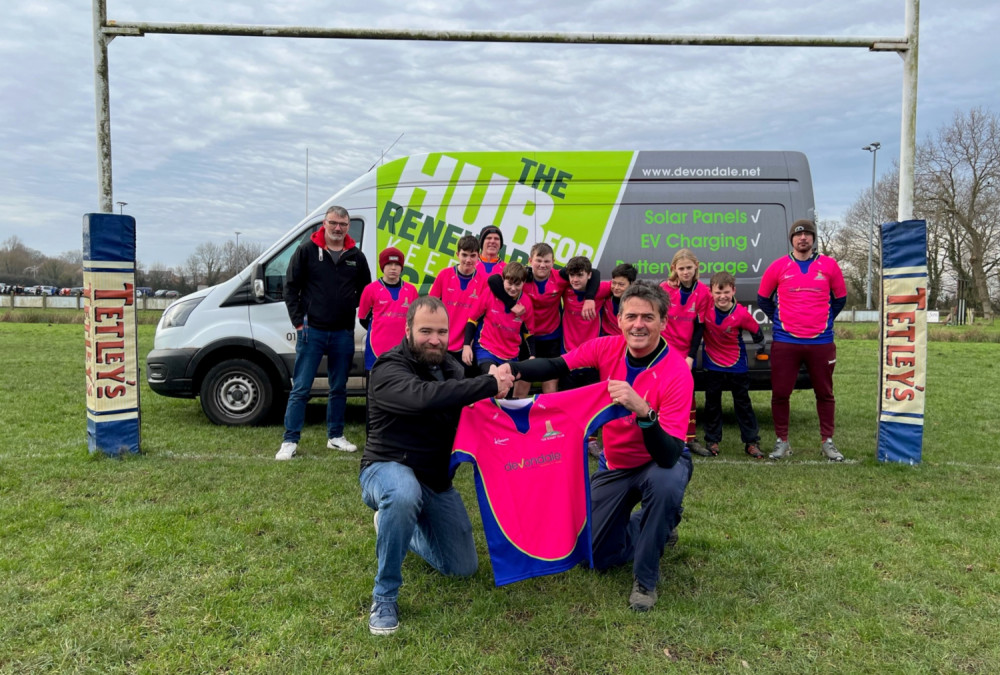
{"x": 649, "y": 420}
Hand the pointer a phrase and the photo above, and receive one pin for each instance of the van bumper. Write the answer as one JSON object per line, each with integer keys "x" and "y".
{"x": 167, "y": 372}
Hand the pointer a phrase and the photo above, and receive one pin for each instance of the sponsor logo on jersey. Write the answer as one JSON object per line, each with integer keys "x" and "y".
{"x": 551, "y": 433}
{"x": 534, "y": 462}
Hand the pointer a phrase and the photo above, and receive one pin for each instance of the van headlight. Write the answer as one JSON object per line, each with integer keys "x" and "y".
{"x": 177, "y": 314}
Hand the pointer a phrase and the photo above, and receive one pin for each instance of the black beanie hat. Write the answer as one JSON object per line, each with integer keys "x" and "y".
{"x": 489, "y": 229}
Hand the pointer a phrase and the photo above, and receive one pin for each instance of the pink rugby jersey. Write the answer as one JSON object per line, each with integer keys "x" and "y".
{"x": 803, "y": 293}
{"x": 623, "y": 444}
{"x": 685, "y": 308}
{"x": 530, "y": 462}
{"x": 490, "y": 268}
{"x": 388, "y": 307}
{"x": 576, "y": 329}
{"x": 723, "y": 339}
{"x": 461, "y": 297}
{"x": 501, "y": 332}
{"x": 546, "y": 297}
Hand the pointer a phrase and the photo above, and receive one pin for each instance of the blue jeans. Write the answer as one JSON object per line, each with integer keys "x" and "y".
{"x": 411, "y": 516}
{"x": 310, "y": 348}
{"x": 621, "y": 535}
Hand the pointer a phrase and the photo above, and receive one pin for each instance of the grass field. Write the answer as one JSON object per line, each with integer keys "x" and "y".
{"x": 206, "y": 555}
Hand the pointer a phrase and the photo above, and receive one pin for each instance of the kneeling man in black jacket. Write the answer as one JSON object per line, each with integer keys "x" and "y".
{"x": 415, "y": 396}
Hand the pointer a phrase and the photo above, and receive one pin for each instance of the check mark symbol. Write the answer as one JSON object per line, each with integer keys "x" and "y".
{"x": 755, "y": 239}
{"x": 756, "y": 217}
{"x": 757, "y": 266}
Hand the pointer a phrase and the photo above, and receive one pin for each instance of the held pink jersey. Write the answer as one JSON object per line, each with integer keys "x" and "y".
{"x": 723, "y": 339}
{"x": 685, "y": 309}
{"x": 666, "y": 384}
{"x": 501, "y": 334}
{"x": 803, "y": 293}
{"x": 530, "y": 461}
{"x": 576, "y": 329}
{"x": 388, "y": 311}
{"x": 461, "y": 297}
{"x": 546, "y": 297}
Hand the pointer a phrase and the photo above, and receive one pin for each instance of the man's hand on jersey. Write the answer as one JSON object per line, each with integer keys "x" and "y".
{"x": 517, "y": 310}
{"x": 623, "y": 394}
{"x": 589, "y": 311}
{"x": 467, "y": 355}
{"x": 690, "y": 362}
{"x": 504, "y": 378}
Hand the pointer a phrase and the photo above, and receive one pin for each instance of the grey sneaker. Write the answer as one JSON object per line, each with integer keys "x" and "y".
{"x": 642, "y": 599}
{"x": 287, "y": 451}
{"x": 384, "y": 618}
{"x": 830, "y": 451}
{"x": 672, "y": 538}
{"x": 781, "y": 449}
{"x": 341, "y": 443}
{"x": 699, "y": 449}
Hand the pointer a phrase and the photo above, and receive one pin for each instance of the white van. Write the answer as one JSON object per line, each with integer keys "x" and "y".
{"x": 234, "y": 346}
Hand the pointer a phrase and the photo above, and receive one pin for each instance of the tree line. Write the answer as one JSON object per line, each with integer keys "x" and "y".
{"x": 209, "y": 264}
{"x": 957, "y": 191}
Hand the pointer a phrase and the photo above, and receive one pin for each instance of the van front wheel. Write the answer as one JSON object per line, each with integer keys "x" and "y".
{"x": 237, "y": 393}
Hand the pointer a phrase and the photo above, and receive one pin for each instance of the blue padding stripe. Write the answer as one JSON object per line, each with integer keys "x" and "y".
{"x": 900, "y": 442}
{"x": 113, "y": 438}
{"x": 904, "y": 244}
{"x": 108, "y": 236}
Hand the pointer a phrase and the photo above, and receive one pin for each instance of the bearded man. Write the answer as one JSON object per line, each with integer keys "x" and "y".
{"x": 415, "y": 396}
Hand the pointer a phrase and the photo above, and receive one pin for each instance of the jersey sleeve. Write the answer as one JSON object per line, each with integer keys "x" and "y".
{"x": 367, "y": 301}
{"x": 437, "y": 288}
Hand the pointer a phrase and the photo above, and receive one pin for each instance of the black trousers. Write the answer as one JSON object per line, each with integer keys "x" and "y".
{"x": 739, "y": 384}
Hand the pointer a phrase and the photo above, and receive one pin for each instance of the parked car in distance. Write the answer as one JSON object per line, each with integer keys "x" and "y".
{"x": 76, "y": 291}
{"x": 143, "y": 290}
{"x": 171, "y": 294}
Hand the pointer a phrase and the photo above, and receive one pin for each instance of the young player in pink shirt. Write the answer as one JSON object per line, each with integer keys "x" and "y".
{"x": 689, "y": 303}
{"x": 503, "y": 332}
{"x": 578, "y": 326}
{"x": 383, "y": 306}
{"x": 726, "y": 365}
{"x": 622, "y": 277}
{"x": 461, "y": 289}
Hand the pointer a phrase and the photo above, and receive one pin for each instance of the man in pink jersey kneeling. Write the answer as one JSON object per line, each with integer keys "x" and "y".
{"x": 647, "y": 460}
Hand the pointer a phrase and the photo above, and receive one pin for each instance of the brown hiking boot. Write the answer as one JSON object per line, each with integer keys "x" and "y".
{"x": 753, "y": 449}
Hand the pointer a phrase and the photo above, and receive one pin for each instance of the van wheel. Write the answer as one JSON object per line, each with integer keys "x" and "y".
{"x": 236, "y": 393}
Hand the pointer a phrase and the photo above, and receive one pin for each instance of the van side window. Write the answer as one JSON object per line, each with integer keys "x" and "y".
{"x": 274, "y": 271}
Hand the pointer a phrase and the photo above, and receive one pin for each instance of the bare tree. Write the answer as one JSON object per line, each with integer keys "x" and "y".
{"x": 207, "y": 264}
{"x": 960, "y": 187}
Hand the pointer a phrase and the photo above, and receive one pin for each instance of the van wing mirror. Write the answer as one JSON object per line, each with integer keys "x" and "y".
{"x": 258, "y": 283}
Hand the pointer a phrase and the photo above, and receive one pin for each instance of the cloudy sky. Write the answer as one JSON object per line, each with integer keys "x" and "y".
{"x": 209, "y": 134}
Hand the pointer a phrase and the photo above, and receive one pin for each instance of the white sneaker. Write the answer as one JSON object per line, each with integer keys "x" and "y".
{"x": 341, "y": 443}
{"x": 287, "y": 451}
